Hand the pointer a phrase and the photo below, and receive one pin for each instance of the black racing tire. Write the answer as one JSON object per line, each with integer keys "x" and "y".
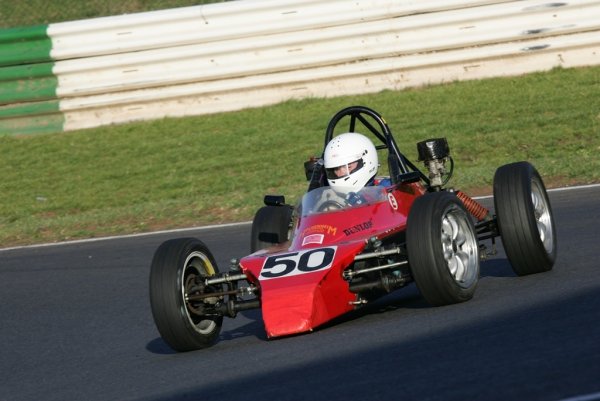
{"x": 271, "y": 225}
{"x": 525, "y": 219}
{"x": 443, "y": 252}
{"x": 175, "y": 265}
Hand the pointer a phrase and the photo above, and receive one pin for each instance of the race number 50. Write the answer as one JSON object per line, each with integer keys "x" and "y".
{"x": 294, "y": 263}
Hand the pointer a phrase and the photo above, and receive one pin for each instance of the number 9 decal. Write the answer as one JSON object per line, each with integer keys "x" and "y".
{"x": 295, "y": 263}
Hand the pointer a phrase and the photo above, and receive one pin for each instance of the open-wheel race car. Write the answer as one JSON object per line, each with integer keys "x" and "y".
{"x": 337, "y": 250}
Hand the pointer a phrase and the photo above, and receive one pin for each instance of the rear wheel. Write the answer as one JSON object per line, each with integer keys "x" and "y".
{"x": 178, "y": 270}
{"x": 443, "y": 252}
{"x": 271, "y": 225}
{"x": 524, "y": 218}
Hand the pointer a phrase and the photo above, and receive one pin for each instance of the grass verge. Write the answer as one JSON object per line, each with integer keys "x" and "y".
{"x": 39, "y": 12}
{"x": 214, "y": 169}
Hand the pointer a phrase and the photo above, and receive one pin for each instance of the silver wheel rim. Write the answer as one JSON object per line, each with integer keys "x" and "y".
{"x": 195, "y": 265}
{"x": 459, "y": 246}
{"x": 542, "y": 215}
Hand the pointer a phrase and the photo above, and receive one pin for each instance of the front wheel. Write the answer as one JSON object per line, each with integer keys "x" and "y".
{"x": 443, "y": 252}
{"x": 178, "y": 270}
{"x": 524, "y": 218}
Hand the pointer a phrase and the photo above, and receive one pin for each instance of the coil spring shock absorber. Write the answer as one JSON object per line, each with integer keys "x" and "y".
{"x": 435, "y": 153}
{"x": 474, "y": 207}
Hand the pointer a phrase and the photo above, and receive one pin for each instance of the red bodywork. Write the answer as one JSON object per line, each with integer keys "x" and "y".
{"x": 301, "y": 283}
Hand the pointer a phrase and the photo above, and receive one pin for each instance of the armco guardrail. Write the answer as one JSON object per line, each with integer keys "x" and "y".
{"x": 248, "y": 53}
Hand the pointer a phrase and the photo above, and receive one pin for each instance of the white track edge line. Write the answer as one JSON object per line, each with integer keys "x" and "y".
{"x": 88, "y": 240}
{"x": 182, "y": 230}
{"x": 584, "y": 397}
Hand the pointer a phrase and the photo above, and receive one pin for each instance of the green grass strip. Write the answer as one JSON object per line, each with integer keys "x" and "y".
{"x": 184, "y": 172}
{"x": 38, "y": 124}
{"x": 24, "y": 45}
{"x": 29, "y": 109}
{"x": 31, "y": 118}
{"x": 20, "y": 34}
{"x": 27, "y": 90}
{"x": 27, "y": 71}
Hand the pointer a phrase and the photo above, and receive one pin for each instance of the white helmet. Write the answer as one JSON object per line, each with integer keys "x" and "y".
{"x": 340, "y": 155}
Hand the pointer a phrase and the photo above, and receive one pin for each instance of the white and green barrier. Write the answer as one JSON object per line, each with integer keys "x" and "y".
{"x": 249, "y": 53}
{"x": 28, "y": 102}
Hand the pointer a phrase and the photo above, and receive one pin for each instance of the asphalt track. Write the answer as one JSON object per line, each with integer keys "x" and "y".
{"x": 76, "y": 325}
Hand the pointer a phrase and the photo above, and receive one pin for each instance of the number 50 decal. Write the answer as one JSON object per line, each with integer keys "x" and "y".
{"x": 294, "y": 263}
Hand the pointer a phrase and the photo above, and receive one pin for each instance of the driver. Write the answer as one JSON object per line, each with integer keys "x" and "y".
{"x": 351, "y": 162}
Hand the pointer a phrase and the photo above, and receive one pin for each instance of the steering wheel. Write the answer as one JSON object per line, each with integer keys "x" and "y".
{"x": 329, "y": 205}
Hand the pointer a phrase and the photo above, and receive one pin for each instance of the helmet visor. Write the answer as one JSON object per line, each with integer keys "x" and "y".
{"x": 344, "y": 170}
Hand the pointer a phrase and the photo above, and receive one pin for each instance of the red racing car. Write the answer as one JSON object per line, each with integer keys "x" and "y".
{"x": 335, "y": 251}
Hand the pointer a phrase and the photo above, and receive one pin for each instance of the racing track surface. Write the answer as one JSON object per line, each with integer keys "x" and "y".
{"x": 76, "y": 325}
